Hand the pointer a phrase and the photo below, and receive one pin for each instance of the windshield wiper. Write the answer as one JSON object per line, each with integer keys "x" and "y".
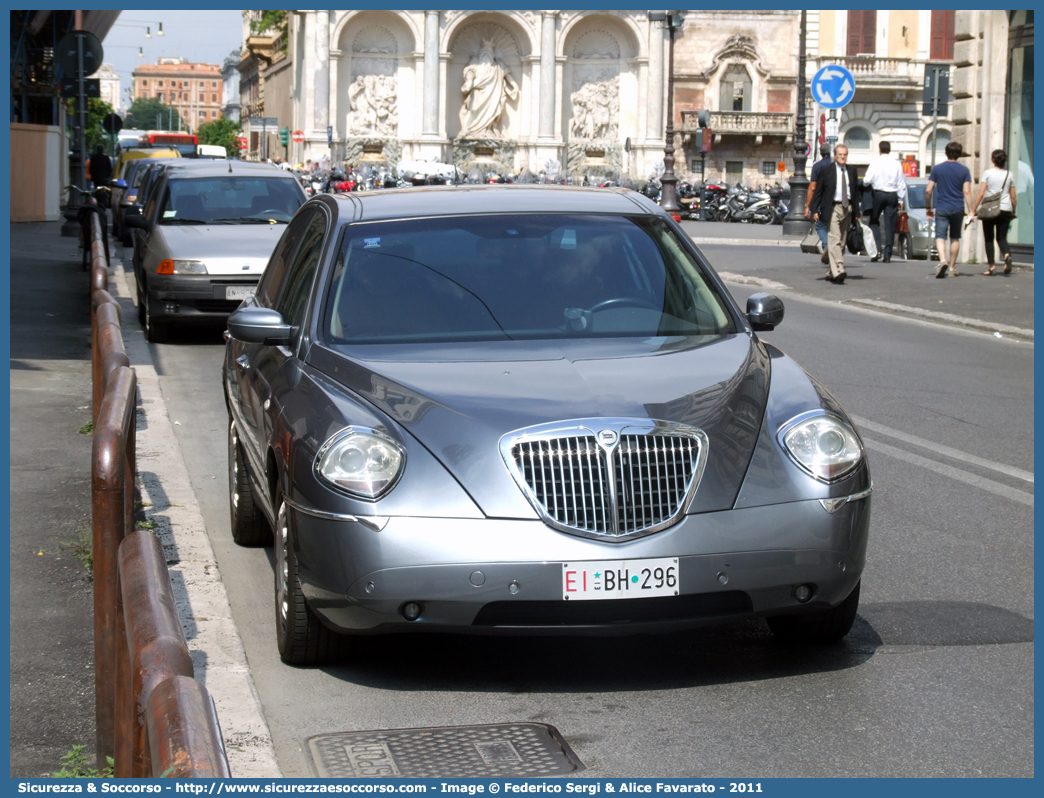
{"x": 184, "y": 221}
{"x": 247, "y": 220}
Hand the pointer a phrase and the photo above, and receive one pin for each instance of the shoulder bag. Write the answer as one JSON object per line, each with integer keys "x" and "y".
{"x": 990, "y": 207}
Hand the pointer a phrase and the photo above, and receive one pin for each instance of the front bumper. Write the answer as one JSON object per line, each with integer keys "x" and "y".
{"x": 484, "y": 576}
{"x": 192, "y": 298}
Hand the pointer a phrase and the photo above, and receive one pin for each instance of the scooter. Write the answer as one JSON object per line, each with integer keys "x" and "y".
{"x": 751, "y": 207}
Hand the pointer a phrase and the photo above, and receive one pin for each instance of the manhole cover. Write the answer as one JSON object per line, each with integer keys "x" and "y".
{"x": 500, "y": 749}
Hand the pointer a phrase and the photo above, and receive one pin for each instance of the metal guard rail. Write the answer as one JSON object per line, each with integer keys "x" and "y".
{"x": 152, "y": 716}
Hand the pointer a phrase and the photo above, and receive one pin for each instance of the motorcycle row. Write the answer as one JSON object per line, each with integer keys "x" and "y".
{"x": 340, "y": 180}
{"x": 723, "y": 203}
{"x": 712, "y": 202}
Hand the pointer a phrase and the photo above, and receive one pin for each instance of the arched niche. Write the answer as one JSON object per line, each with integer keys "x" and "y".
{"x": 511, "y": 46}
{"x": 375, "y": 77}
{"x": 600, "y": 96}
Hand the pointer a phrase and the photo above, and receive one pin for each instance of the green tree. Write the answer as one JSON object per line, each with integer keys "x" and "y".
{"x": 222, "y": 133}
{"x": 146, "y": 111}
{"x": 272, "y": 20}
{"x": 97, "y": 110}
{"x": 269, "y": 20}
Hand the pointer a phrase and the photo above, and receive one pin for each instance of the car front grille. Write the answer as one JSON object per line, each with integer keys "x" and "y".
{"x": 638, "y": 484}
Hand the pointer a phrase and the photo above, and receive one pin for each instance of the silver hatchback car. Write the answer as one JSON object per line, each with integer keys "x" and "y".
{"x": 529, "y": 409}
{"x": 207, "y": 231}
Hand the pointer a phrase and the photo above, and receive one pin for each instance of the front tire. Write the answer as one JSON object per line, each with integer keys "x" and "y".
{"x": 155, "y": 332}
{"x": 248, "y": 524}
{"x": 300, "y": 635}
{"x": 824, "y": 627}
{"x": 763, "y": 216}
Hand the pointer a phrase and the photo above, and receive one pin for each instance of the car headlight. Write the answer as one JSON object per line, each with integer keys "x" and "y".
{"x": 823, "y": 445}
{"x": 360, "y": 461}
{"x": 181, "y": 267}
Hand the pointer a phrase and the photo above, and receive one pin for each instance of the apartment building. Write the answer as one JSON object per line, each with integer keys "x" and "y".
{"x": 193, "y": 90}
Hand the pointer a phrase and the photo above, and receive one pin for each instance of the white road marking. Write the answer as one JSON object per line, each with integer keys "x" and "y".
{"x": 946, "y": 451}
{"x": 1014, "y": 494}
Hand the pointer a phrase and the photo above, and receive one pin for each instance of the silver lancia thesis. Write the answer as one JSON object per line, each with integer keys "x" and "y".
{"x": 529, "y": 409}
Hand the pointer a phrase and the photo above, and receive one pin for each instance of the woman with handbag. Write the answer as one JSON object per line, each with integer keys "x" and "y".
{"x": 995, "y": 207}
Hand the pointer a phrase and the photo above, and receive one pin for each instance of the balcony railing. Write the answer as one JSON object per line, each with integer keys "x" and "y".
{"x": 871, "y": 70}
{"x": 743, "y": 123}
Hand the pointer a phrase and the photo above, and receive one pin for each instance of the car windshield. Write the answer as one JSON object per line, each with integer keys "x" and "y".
{"x": 915, "y": 195}
{"x": 510, "y": 277}
{"x": 230, "y": 199}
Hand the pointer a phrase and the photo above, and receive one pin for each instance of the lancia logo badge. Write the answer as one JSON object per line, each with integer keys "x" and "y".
{"x": 607, "y": 437}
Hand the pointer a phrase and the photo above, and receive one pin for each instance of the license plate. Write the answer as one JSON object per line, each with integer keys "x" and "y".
{"x": 620, "y": 579}
{"x": 239, "y": 291}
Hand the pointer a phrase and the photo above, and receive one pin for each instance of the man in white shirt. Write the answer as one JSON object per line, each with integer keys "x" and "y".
{"x": 885, "y": 176}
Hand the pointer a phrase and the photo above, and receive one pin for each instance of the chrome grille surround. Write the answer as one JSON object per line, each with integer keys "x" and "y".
{"x": 611, "y": 479}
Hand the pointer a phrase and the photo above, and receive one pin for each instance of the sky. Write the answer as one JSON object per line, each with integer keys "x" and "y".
{"x": 200, "y": 36}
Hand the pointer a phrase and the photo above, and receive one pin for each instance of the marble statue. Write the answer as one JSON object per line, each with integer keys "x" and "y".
{"x": 596, "y": 108}
{"x": 488, "y": 86}
{"x": 374, "y": 106}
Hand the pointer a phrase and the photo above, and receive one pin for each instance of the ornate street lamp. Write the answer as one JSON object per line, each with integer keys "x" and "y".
{"x": 669, "y": 181}
{"x": 796, "y": 224}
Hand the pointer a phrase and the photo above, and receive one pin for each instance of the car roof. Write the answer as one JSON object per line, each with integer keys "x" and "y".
{"x": 484, "y": 199}
{"x": 209, "y": 168}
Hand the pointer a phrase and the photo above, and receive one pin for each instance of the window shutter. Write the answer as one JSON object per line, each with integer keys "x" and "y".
{"x": 943, "y": 34}
{"x": 862, "y": 32}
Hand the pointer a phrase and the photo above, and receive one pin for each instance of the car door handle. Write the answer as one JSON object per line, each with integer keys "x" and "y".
{"x": 243, "y": 362}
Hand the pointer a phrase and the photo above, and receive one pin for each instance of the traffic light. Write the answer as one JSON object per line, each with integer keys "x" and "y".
{"x": 284, "y": 136}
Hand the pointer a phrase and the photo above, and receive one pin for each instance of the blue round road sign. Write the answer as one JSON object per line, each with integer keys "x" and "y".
{"x": 833, "y": 87}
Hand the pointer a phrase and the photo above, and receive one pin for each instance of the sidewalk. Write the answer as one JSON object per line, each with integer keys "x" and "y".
{"x": 991, "y": 304}
{"x": 52, "y": 627}
{"x": 52, "y": 610}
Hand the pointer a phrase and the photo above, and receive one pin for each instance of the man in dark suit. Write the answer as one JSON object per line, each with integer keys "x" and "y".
{"x": 836, "y": 201}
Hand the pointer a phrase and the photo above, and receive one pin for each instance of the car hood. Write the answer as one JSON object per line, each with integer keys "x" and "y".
{"x": 224, "y": 248}
{"x": 459, "y": 401}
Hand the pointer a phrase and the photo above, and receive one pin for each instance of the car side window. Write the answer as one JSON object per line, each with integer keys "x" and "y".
{"x": 154, "y": 195}
{"x": 271, "y": 284}
{"x": 301, "y": 272}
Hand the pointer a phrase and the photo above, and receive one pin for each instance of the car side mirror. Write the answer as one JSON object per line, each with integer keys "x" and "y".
{"x": 764, "y": 311}
{"x": 256, "y": 325}
{"x": 136, "y": 221}
{"x": 118, "y": 183}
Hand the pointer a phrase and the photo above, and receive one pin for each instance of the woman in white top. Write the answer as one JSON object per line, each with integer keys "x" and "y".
{"x": 997, "y": 181}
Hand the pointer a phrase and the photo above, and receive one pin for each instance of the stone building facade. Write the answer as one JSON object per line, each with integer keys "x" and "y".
{"x": 742, "y": 67}
{"x": 561, "y": 91}
{"x": 993, "y": 87}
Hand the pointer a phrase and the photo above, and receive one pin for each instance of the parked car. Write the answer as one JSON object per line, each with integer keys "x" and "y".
{"x": 529, "y": 409}
{"x": 144, "y": 180}
{"x": 150, "y": 171}
{"x": 211, "y": 151}
{"x": 922, "y": 229}
{"x": 126, "y": 169}
{"x": 209, "y": 230}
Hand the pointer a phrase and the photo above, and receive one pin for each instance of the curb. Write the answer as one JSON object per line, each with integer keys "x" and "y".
{"x": 748, "y": 242}
{"x": 217, "y": 652}
{"x": 949, "y": 318}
